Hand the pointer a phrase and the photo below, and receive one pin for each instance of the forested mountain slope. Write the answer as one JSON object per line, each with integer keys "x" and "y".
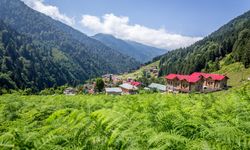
{"x": 140, "y": 52}
{"x": 88, "y": 56}
{"x": 231, "y": 40}
{"x": 25, "y": 63}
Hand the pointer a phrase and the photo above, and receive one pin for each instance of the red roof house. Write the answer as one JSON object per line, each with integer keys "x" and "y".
{"x": 197, "y": 81}
{"x": 135, "y": 83}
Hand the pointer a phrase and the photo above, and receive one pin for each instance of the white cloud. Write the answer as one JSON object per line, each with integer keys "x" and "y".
{"x": 120, "y": 28}
{"x": 49, "y": 10}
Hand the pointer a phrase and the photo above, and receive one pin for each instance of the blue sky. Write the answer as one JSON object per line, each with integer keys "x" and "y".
{"x": 186, "y": 19}
{"x": 190, "y": 17}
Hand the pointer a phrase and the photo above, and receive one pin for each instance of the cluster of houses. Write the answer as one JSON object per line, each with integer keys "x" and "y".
{"x": 133, "y": 88}
{"x": 111, "y": 80}
{"x": 196, "y": 82}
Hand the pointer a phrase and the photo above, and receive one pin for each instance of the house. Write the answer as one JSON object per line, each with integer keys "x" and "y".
{"x": 70, "y": 91}
{"x": 159, "y": 87}
{"x": 135, "y": 83}
{"x": 128, "y": 88}
{"x": 107, "y": 77}
{"x": 113, "y": 91}
{"x": 89, "y": 88}
{"x": 198, "y": 81}
{"x": 155, "y": 70}
{"x": 116, "y": 80}
{"x": 91, "y": 91}
{"x": 130, "y": 79}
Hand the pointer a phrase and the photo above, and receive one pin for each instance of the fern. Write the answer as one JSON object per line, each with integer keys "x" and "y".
{"x": 147, "y": 121}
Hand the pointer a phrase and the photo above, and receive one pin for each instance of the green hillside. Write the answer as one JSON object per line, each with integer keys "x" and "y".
{"x": 146, "y": 121}
{"x": 139, "y": 72}
{"x": 55, "y": 53}
{"x": 25, "y": 64}
{"x": 236, "y": 72}
{"x": 232, "y": 38}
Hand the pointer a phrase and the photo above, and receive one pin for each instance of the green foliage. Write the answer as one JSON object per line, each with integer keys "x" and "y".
{"x": 233, "y": 38}
{"x": 147, "y": 79}
{"x": 54, "y": 90}
{"x": 141, "y": 71}
{"x": 242, "y": 48}
{"x": 236, "y": 72}
{"x": 99, "y": 85}
{"x": 146, "y": 121}
{"x": 212, "y": 66}
{"x": 228, "y": 60}
{"x": 27, "y": 91}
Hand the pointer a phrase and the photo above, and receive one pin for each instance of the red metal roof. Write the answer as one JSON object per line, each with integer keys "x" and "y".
{"x": 183, "y": 77}
{"x": 217, "y": 77}
{"x": 135, "y": 83}
{"x": 195, "y": 77}
{"x": 171, "y": 76}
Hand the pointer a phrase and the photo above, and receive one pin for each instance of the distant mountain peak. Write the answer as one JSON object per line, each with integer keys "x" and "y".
{"x": 139, "y": 51}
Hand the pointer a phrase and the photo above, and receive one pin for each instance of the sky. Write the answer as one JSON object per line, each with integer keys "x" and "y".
{"x": 167, "y": 24}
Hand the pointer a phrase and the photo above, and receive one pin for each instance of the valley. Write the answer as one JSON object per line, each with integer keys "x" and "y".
{"x": 105, "y": 82}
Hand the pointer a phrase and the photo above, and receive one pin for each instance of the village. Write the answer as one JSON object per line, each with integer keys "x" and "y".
{"x": 172, "y": 83}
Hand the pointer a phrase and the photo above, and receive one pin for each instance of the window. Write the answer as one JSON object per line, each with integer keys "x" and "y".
{"x": 185, "y": 85}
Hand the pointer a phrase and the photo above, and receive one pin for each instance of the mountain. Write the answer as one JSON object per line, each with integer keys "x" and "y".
{"x": 136, "y": 50}
{"x": 25, "y": 64}
{"x": 76, "y": 56}
{"x": 231, "y": 42}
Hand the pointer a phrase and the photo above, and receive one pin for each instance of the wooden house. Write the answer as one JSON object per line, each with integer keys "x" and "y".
{"x": 198, "y": 82}
{"x": 127, "y": 88}
{"x": 113, "y": 91}
{"x": 70, "y": 91}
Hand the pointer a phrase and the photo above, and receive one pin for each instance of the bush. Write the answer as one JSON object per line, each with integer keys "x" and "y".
{"x": 49, "y": 91}
{"x": 99, "y": 85}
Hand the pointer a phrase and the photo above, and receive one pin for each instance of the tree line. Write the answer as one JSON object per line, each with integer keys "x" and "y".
{"x": 231, "y": 42}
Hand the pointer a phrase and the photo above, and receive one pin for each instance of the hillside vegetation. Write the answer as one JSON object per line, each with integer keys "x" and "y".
{"x": 24, "y": 64}
{"x": 139, "y": 72}
{"x": 232, "y": 38}
{"x": 146, "y": 121}
{"x": 68, "y": 56}
{"x": 236, "y": 72}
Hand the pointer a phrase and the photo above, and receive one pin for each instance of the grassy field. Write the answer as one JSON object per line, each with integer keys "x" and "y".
{"x": 146, "y": 121}
{"x": 236, "y": 72}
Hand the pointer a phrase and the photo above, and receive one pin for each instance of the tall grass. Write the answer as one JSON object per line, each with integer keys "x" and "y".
{"x": 146, "y": 121}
